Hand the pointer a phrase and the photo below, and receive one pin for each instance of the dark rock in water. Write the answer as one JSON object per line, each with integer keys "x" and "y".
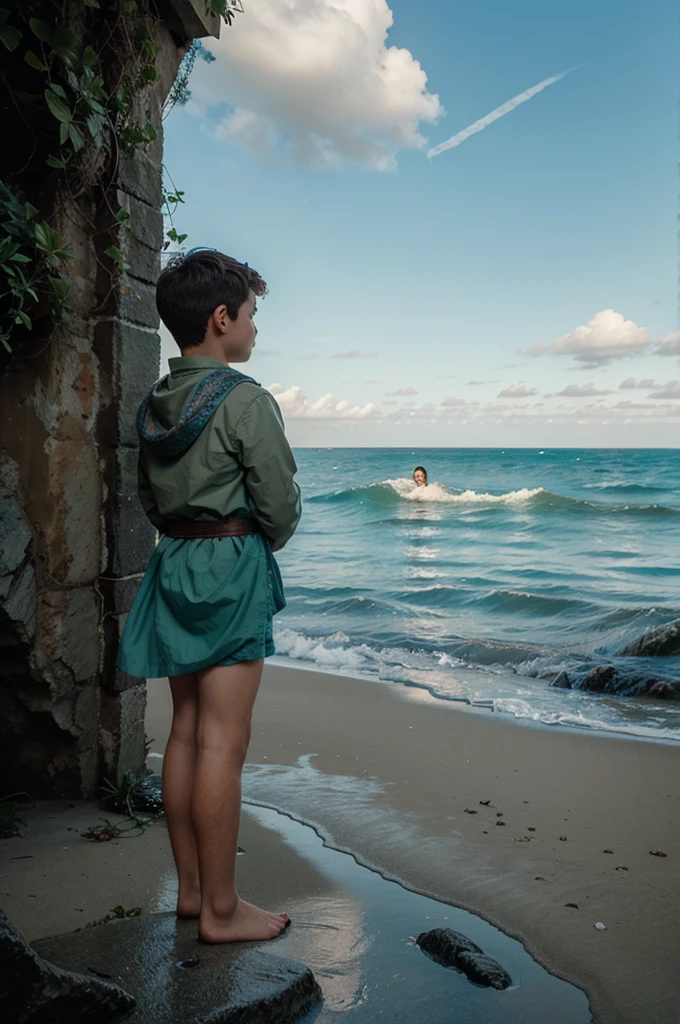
{"x": 662, "y": 641}
{"x": 452, "y": 949}
{"x": 33, "y": 991}
{"x": 234, "y": 983}
{"x": 607, "y": 679}
{"x": 562, "y": 681}
{"x": 600, "y": 680}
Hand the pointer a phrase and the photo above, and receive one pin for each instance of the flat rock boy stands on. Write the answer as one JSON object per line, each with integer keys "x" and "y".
{"x": 216, "y": 479}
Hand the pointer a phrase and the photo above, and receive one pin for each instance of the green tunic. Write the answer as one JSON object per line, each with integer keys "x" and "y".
{"x": 211, "y": 601}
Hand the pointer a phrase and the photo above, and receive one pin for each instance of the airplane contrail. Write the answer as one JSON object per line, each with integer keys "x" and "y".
{"x": 479, "y": 126}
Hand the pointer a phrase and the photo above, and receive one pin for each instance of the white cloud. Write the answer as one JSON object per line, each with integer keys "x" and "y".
{"x": 316, "y": 80}
{"x": 582, "y": 391}
{"x": 669, "y": 390}
{"x": 402, "y": 391}
{"x": 499, "y": 112}
{"x": 452, "y": 400}
{"x": 519, "y": 390}
{"x": 630, "y": 383}
{"x": 354, "y": 353}
{"x": 669, "y": 345}
{"x": 296, "y": 406}
{"x": 607, "y": 336}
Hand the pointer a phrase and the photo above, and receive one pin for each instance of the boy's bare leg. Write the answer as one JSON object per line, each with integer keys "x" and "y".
{"x": 226, "y": 698}
{"x": 179, "y": 766}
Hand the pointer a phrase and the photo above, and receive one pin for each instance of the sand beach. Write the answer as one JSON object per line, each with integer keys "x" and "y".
{"x": 392, "y": 776}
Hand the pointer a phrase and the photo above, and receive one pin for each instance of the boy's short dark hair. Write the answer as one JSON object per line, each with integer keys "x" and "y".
{"x": 191, "y": 287}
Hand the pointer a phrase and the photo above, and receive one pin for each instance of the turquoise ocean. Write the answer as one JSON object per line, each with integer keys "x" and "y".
{"x": 513, "y": 566}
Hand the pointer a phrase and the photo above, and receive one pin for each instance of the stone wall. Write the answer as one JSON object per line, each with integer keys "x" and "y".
{"x": 74, "y": 542}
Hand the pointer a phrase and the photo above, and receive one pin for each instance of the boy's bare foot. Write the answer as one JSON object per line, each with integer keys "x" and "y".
{"x": 246, "y": 924}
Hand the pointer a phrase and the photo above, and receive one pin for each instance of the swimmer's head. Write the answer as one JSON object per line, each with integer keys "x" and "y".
{"x": 420, "y": 476}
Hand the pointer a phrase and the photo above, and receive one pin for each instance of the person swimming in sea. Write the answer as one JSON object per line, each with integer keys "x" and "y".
{"x": 420, "y": 476}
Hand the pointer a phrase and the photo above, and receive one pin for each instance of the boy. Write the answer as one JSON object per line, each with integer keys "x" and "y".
{"x": 216, "y": 479}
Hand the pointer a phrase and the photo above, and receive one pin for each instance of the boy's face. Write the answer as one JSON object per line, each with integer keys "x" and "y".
{"x": 240, "y": 334}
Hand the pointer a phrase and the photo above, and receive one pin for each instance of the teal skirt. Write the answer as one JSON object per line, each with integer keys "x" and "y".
{"x": 201, "y": 603}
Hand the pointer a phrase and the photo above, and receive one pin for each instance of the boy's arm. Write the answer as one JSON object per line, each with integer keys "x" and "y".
{"x": 269, "y": 468}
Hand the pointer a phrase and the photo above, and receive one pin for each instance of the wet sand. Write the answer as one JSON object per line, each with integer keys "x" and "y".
{"x": 394, "y": 774}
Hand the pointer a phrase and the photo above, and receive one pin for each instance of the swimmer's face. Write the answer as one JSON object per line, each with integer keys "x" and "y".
{"x": 419, "y": 478}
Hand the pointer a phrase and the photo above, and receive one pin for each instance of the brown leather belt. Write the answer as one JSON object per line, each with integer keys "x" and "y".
{"x": 186, "y": 530}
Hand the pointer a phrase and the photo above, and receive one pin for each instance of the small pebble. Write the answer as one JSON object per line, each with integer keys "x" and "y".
{"x": 658, "y": 853}
{"x": 500, "y": 822}
{"x": 563, "y": 839}
{"x": 600, "y": 927}
{"x": 574, "y": 905}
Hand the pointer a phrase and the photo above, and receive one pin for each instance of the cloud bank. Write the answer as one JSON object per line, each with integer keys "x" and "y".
{"x": 317, "y": 82}
{"x": 606, "y": 337}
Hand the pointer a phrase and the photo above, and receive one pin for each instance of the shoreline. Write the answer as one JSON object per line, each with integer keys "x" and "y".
{"x": 417, "y": 692}
{"x": 403, "y": 787}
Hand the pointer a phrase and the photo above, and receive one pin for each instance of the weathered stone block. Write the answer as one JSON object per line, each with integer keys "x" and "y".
{"x": 33, "y": 991}
{"x": 156, "y": 955}
{"x": 141, "y": 176}
{"x": 132, "y": 356}
{"x": 122, "y": 730}
{"x": 15, "y": 536}
{"x": 135, "y": 536}
{"x": 137, "y": 302}
{"x": 122, "y": 594}
{"x": 141, "y": 245}
{"x": 70, "y": 648}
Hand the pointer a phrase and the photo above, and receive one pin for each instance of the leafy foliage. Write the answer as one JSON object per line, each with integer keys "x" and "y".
{"x": 31, "y": 258}
{"x": 85, "y": 112}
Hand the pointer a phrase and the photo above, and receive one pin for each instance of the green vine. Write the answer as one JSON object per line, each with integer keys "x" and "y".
{"x": 76, "y": 89}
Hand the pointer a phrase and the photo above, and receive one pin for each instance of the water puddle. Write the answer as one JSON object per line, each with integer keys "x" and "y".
{"x": 359, "y": 941}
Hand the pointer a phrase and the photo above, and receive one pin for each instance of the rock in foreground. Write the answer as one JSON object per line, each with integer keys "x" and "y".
{"x": 33, "y": 991}
{"x": 174, "y": 978}
{"x": 662, "y": 641}
{"x": 452, "y": 949}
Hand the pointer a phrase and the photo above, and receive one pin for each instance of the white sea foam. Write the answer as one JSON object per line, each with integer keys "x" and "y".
{"x": 451, "y": 679}
{"x": 407, "y": 489}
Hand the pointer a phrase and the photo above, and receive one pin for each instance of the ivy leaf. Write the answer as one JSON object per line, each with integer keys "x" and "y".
{"x": 10, "y": 37}
{"x": 77, "y": 138}
{"x": 20, "y": 258}
{"x": 57, "y": 107}
{"x": 22, "y": 318}
{"x": 60, "y": 91}
{"x": 58, "y": 162}
{"x": 34, "y": 61}
{"x": 149, "y": 74}
{"x": 30, "y": 211}
{"x": 63, "y": 133}
{"x": 150, "y": 132}
{"x": 94, "y": 105}
{"x": 89, "y": 57}
{"x": 92, "y": 3}
{"x": 41, "y": 29}
{"x": 114, "y": 253}
{"x": 60, "y": 287}
{"x": 123, "y": 218}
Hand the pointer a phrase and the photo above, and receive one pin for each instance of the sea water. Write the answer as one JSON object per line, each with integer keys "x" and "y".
{"x": 511, "y": 566}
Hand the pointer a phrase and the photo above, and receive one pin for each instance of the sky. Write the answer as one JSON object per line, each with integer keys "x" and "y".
{"x": 466, "y": 214}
